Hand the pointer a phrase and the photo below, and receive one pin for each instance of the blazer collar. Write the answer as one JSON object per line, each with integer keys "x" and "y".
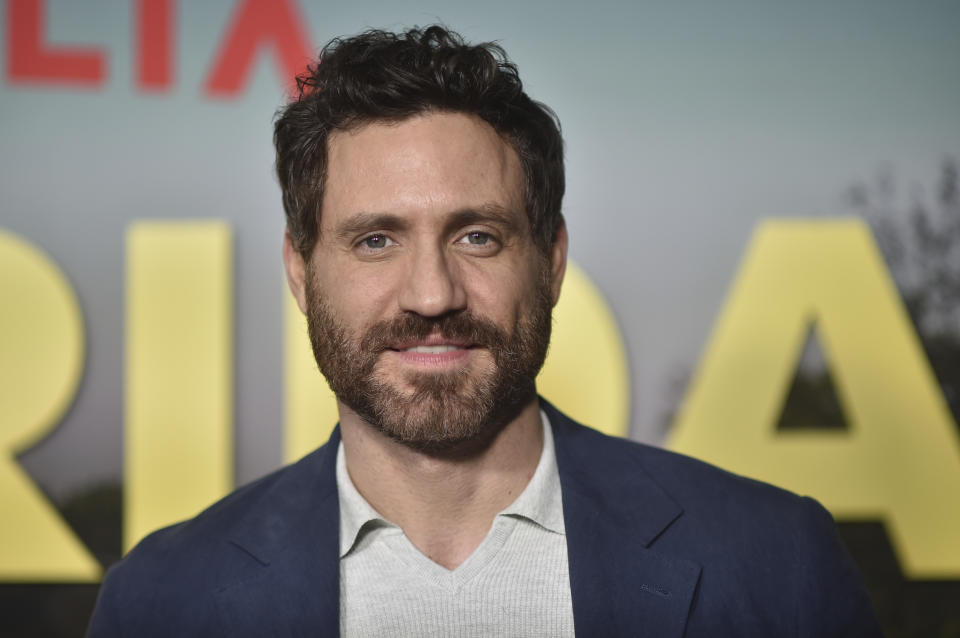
{"x": 613, "y": 512}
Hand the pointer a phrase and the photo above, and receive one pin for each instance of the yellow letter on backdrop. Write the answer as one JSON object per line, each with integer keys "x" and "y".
{"x": 178, "y": 446}
{"x": 900, "y": 460}
{"x": 309, "y": 407}
{"x": 585, "y": 374}
{"x": 41, "y": 361}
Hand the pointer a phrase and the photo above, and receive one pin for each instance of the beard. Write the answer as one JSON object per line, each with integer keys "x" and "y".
{"x": 434, "y": 411}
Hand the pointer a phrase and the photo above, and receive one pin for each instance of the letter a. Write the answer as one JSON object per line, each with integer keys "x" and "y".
{"x": 899, "y": 461}
{"x": 256, "y": 24}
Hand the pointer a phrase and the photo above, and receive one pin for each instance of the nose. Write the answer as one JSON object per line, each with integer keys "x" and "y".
{"x": 433, "y": 285}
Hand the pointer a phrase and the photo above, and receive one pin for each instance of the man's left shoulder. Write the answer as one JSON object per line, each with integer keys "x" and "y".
{"x": 693, "y": 484}
{"x": 712, "y": 504}
{"x": 768, "y": 559}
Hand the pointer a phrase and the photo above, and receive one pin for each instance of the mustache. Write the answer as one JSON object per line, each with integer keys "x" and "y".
{"x": 462, "y": 326}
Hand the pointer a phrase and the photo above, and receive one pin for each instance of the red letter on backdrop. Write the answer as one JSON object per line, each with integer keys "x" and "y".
{"x": 155, "y": 20}
{"x": 255, "y": 24}
{"x": 29, "y": 59}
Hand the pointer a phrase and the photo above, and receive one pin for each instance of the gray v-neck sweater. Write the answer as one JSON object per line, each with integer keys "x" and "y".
{"x": 515, "y": 583}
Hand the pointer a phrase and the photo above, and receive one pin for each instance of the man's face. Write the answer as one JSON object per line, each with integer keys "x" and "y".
{"x": 427, "y": 301}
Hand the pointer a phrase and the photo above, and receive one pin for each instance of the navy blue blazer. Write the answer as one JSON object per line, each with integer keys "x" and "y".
{"x": 659, "y": 544}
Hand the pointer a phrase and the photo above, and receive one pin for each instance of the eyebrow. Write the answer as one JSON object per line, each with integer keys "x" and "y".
{"x": 366, "y": 222}
{"x": 487, "y": 213}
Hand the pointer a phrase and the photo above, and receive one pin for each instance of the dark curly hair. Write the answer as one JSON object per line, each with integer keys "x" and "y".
{"x": 379, "y": 75}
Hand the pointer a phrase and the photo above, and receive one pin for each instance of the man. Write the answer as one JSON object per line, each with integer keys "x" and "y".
{"x": 426, "y": 246}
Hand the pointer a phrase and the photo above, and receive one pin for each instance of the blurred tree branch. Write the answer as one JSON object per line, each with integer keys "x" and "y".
{"x": 921, "y": 244}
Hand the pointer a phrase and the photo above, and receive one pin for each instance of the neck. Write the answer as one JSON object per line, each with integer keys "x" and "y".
{"x": 444, "y": 504}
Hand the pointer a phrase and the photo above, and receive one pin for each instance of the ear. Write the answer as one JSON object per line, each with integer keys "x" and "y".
{"x": 558, "y": 261}
{"x": 296, "y": 269}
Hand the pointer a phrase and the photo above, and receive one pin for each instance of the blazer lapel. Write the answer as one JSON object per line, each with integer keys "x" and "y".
{"x": 613, "y": 512}
{"x": 292, "y": 585}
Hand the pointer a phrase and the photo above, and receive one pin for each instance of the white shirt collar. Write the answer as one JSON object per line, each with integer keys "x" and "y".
{"x": 540, "y": 501}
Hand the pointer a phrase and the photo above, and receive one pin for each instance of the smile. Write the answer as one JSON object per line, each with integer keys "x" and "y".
{"x": 432, "y": 349}
{"x": 433, "y": 355}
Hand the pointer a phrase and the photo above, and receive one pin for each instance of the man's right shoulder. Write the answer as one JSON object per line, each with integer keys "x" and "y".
{"x": 206, "y": 530}
{"x": 182, "y": 566}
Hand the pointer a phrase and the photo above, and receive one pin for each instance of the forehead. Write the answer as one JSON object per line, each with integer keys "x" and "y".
{"x": 425, "y": 165}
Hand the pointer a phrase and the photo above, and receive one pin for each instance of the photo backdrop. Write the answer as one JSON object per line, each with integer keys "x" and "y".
{"x": 763, "y": 211}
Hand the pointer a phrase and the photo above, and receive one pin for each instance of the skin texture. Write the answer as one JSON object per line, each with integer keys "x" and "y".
{"x": 424, "y": 220}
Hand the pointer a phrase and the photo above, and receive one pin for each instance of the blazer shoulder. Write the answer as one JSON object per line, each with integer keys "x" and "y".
{"x": 218, "y": 521}
{"x": 181, "y": 566}
{"x": 692, "y": 483}
{"x": 771, "y": 554}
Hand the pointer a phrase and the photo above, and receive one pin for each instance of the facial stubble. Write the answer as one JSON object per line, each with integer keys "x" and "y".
{"x": 433, "y": 411}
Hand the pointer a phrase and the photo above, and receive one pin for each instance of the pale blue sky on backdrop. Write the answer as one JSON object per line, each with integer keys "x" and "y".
{"x": 685, "y": 123}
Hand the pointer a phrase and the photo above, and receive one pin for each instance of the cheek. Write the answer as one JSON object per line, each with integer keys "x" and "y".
{"x": 361, "y": 295}
{"x": 500, "y": 294}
